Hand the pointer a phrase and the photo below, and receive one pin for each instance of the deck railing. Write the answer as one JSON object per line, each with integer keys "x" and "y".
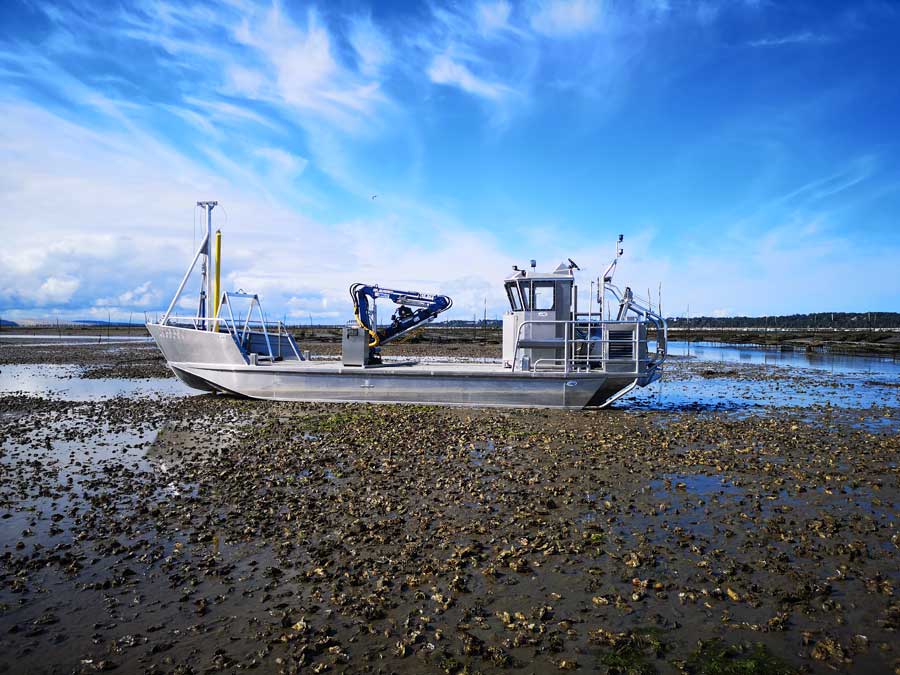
{"x": 589, "y": 359}
{"x": 243, "y": 332}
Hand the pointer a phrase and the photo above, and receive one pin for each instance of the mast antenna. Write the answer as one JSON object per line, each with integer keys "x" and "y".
{"x": 206, "y": 287}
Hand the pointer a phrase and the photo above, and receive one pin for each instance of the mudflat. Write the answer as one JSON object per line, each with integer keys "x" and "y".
{"x": 741, "y": 518}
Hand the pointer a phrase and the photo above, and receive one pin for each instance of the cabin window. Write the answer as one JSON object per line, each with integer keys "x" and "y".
{"x": 515, "y": 300}
{"x": 544, "y": 296}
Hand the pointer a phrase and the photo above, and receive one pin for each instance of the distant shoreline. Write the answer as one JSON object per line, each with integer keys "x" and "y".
{"x": 861, "y": 342}
{"x": 884, "y": 342}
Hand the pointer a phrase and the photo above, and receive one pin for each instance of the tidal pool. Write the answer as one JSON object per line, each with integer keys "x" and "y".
{"x": 726, "y": 378}
{"x": 64, "y": 382}
{"x": 835, "y": 363}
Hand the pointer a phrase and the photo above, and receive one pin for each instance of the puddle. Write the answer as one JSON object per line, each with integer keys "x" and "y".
{"x": 876, "y": 425}
{"x": 698, "y": 484}
{"x": 64, "y": 382}
{"x": 481, "y": 450}
{"x": 69, "y": 466}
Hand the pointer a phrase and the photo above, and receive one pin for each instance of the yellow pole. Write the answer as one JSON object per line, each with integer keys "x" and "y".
{"x": 218, "y": 296}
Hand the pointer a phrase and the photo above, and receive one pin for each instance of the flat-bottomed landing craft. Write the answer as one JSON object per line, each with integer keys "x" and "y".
{"x": 554, "y": 355}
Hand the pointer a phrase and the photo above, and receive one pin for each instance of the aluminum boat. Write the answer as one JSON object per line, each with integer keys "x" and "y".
{"x": 553, "y": 355}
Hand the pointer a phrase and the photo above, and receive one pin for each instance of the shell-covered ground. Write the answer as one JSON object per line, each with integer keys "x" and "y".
{"x": 202, "y": 533}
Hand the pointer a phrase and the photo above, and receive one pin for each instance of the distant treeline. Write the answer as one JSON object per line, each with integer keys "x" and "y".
{"x": 462, "y": 323}
{"x": 838, "y": 320}
{"x": 845, "y": 320}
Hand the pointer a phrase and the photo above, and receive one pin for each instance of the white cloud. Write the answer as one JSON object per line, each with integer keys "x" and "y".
{"x": 493, "y": 17}
{"x": 54, "y": 290}
{"x": 282, "y": 161}
{"x": 251, "y": 50}
{"x": 706, "y": 12}
{"x": 84, "y": 220}
{"x": 564, "y": 18}
{"x": 299, "y": 70}
{"x": 372, "y": 47}
{"x": 230, "y": 113}
{"x": 444, "y": 70}
{"x": 143, "y": 296}
{"x": 245, "y": 81}
{"x": 805, "y": 37}
{"x": 196, "y": 120}
{"x": 103, "y": 209}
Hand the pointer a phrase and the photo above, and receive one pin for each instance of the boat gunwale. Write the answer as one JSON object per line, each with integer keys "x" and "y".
{"x": 406, "y": 369}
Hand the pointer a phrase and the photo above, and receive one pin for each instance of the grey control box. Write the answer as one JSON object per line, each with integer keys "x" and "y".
{"x": 354, "y": 346}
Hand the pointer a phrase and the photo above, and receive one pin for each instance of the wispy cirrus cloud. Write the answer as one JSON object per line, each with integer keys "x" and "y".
{"x": 445, "y": 70}
{"x": 282, "y": 161}
{"x": 300, "y": 69}
{"x": 565, "y": 18}
{"x": 801, "y": 38}
{"x": 493, "y": 17}
{"x": 373, "y": 49}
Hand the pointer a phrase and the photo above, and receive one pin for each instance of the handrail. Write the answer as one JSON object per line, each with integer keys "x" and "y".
{"x": 569, "y": 357}
{"x": 636, "y": 372}
{"x": 241, "y": 334}
{"x": 627, "y": 302}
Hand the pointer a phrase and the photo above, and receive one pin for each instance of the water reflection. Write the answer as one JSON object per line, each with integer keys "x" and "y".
{"x": 723, "y": 378}
{"x": 842, "y": 363}
{"x": 65, "y": 382}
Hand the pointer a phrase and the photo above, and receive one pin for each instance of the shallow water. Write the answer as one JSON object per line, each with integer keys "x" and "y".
{"x": 835, "y": 363}
{"x": 715, "y": 377}
{"x": 57, "y": 339}
{"x": 722, "y": 377}
{"x": 680, "y": 392}
{"x": 698, "y": 484}
{"x": 64, "y": 382}
{"x": 67, "y": 463}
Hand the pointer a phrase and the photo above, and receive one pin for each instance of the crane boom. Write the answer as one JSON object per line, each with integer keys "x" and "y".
{"x": 403, "y": 320}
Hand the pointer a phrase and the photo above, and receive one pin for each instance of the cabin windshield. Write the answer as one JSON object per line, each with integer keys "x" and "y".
{"x": 515, "y": 300}
{"x": 544, "y": 296}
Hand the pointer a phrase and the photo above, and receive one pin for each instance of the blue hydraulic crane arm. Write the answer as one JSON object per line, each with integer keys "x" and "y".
{"x": 403, "y": 320}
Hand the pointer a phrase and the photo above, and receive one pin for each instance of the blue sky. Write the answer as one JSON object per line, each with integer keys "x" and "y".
{"x": 748, "y": 150}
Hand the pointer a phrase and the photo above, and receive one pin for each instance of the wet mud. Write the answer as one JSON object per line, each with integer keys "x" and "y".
{"x": 206, "y": 533}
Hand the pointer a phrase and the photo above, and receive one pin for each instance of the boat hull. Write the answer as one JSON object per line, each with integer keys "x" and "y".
{"x": 463, "y": 384}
